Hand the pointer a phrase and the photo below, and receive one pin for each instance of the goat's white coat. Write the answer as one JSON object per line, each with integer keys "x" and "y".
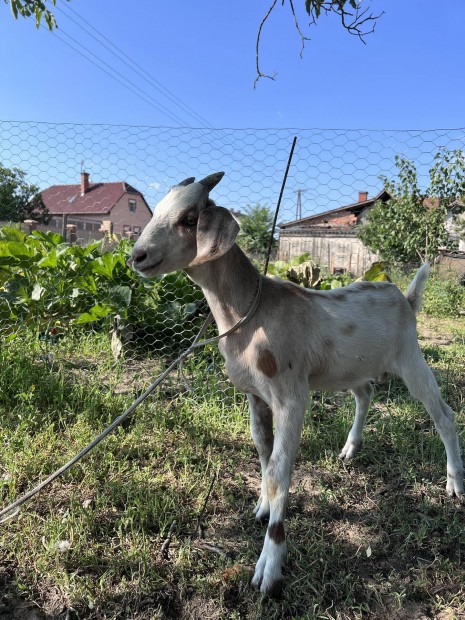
{"x": 298, "y": 340}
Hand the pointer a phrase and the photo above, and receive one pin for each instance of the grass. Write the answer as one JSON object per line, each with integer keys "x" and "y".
{"x": 377, "y": 538}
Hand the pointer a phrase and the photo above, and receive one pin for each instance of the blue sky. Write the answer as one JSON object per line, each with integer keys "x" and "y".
{"x": 196, "y": 69}
{"x": 410, "y": 74}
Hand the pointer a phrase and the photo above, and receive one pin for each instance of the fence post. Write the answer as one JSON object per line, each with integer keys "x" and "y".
{"x": 71, "y": 233}
{"x": 106, "y": 228}
{"x": 31, "y": 225}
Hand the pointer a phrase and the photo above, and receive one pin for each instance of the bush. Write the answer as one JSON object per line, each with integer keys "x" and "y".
{"x": 51, "y": 286}
{"x": 444, "y": 296}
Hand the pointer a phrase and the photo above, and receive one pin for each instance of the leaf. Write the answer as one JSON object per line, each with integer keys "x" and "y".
{"x": 14, "y": 8}
{"x": 15, "y": 249}
{"x": 104, "y": 265}
{"x": 120, "y": 296}
{"x": 86, "y": 283}
{"x": 376, "y": 273}
{"x": 96, "y": 313}
{"x": 50, "y": 259}
{"x": 368, "y": 552}
{"x": 299, "y": 260}
{"x": 12, "y": 234}
{"x": 48, "y": 237}
{"x": 37, "y": 292}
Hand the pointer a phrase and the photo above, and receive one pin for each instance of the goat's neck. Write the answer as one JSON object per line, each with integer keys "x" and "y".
{"x": 230, "y": 284}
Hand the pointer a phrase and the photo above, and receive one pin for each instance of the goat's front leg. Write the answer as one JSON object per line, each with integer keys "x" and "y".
{"x": 261, "y": 425}
{"x": 288, "y": 426}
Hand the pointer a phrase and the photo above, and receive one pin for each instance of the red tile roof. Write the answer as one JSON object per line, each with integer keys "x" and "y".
{"x": 99, "y": 198}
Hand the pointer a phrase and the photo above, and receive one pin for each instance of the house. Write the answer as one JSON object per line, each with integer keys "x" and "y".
{"x": 96, "y": 208}
{"x": 331, "y": 237}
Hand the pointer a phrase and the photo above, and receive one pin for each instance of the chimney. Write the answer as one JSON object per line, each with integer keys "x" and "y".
{"x": 362, "y": 196}
{"x": 84, "y": 182}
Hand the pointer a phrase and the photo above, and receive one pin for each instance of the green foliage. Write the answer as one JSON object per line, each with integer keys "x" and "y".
{"x": 444, "y": 296}
{"x": 45, "y": 280}
{"x": 52, "y": 285}
{"x": 411, "y": 226}
{"x": 256, "y": 227}
{"x": 300, "y": 270}
{"x": 38, "y": 8}
{"x": 303, "y": 271}
{"x": 19, "y": 200}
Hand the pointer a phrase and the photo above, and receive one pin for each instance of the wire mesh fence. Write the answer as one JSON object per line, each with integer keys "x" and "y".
{"x": 100, "y": 184}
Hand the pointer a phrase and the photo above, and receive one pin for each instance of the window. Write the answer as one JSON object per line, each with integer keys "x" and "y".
{"x": 136, "y": 230}
{"x": 126, "y": 228}
{"x": 132, "y": 205}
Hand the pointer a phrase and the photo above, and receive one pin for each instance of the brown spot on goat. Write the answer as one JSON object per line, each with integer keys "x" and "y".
{"x": 349, "y": 329}
{"x": 266, "y": 363}
{"x": 276, "y": 532}
{"x": 328, "y": 343}
{"x": 271, "y": 489}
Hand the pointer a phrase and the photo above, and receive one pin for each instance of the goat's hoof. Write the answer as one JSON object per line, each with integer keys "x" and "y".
{"x": 348, "y": 451}
{"x": 270, "y": 586}
{"x": 262, "y": 509}
{"x": 455, "y": 486}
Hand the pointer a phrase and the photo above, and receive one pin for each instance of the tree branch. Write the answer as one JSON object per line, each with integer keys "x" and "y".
{"x": 357, "y": 22}
{"x": 257, "y": 46}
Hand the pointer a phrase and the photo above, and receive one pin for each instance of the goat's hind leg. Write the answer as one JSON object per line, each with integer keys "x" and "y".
{"x": 261, "y": 425}
{"x": 422, "y": 385}
{"x": 363, "y": 395}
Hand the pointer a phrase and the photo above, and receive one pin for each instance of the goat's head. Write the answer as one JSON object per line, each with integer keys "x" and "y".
{"x": 187, "y": 229}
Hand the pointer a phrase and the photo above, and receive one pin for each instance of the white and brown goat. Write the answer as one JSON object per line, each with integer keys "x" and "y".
{"x": 296, "y": 341}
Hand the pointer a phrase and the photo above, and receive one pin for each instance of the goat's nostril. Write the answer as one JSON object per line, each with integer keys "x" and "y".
{"x": 138, "y": 256}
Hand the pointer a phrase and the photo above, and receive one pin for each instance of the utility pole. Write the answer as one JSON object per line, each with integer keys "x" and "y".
{"x": 298, "y": 215}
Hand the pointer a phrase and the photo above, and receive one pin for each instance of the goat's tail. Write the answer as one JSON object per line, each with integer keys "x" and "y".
{"x": 416, "y": 288}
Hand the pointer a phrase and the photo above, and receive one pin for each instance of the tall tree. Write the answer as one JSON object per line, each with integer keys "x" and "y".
{"x": 19, "y": 200}
{"x": 411, "y": 226}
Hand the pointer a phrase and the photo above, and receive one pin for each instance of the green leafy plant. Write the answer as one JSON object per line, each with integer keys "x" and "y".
{"x": 255, "y": 233}
{"x": 410, "y": 227}
{"x": 304, "y": 271}
{"x": 51, "y": 285}
{"x": 444, "y": 296}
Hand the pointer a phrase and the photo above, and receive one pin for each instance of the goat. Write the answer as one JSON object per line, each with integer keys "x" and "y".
{"x": 296, "y": 341}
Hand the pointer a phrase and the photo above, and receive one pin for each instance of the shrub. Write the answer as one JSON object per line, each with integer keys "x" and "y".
{"x": 444, "y": 296}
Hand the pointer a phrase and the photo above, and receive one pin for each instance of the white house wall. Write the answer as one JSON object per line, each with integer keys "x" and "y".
{"x": 345, "y": 253}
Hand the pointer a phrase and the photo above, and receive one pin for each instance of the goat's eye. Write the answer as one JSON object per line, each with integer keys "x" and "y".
{"x": 190, "y": 220}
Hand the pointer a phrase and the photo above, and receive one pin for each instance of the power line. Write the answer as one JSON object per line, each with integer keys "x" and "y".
{"x": 133, "y": 65}
{"x": 124, "y": 81}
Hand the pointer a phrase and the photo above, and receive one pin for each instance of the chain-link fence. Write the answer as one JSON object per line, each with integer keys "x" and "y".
{"x": 102, "y": 182}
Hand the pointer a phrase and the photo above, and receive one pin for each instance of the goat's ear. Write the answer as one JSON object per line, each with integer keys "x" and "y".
{"x": 216, "y": 233}
{"x": 212, "y": 180}
{"x": 185, "y": 182}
